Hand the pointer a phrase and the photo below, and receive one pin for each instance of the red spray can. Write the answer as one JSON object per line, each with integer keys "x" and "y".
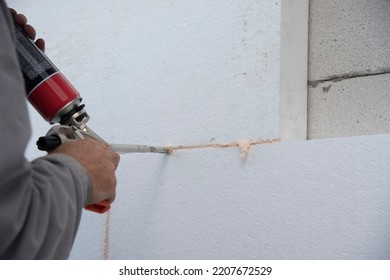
{"x": 51, "y": 94}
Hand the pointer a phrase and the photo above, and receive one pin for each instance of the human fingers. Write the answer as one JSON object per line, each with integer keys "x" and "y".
{"x": 30, "y": 31}
{"x": 40, "y": 43}
{"x": 13, "y": 12}
{"x": 21, "y": 20}
{"x": 114, "y": 157}
{"x": 111, "y": 154}
{"x": 99, "y": 162}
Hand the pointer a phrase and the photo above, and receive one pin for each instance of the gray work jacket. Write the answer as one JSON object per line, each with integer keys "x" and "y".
{"x": 40, "y": 201}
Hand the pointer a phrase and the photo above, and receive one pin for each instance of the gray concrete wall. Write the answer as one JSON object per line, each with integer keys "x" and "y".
{"x": 349, "y": 66}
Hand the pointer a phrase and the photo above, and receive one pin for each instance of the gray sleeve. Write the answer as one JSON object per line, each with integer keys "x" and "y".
{"x": 40, "y": 201}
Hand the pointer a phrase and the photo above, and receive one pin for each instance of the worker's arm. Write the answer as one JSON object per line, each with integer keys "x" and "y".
{"x": 97, "y": 158}
{"x": 41, "y": 201}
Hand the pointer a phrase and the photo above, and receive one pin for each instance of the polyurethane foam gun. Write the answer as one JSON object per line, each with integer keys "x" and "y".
{"x": 57, "y": 101}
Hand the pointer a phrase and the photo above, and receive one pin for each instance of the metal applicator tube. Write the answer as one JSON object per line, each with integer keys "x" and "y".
{"x": 124, "y": 149}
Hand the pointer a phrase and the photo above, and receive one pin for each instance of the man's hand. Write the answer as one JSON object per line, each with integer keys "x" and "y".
{"x": 99, "y": 161}
{"x": 21, "y": 20}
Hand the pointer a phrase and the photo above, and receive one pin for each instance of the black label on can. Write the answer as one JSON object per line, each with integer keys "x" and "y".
{"x": 36, "y": 67}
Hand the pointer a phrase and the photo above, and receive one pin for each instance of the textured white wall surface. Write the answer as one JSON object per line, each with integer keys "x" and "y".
{"x": 206, "y": 72}
{"x": 169, "y": 72}
{"x": 317, "y": 199}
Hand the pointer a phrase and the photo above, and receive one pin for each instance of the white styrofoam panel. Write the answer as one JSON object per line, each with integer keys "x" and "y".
{"x": 91, "y": 234}
{"x": 350, "y": 107}
{"x": 317, "y": 199}
{"x": 348, "y": 38}
{"x": 168, "y": 72}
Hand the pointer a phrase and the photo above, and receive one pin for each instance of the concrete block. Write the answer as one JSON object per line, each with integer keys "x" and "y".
{"x": 349, "y": 38}
{"x": 358, "y": 106}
